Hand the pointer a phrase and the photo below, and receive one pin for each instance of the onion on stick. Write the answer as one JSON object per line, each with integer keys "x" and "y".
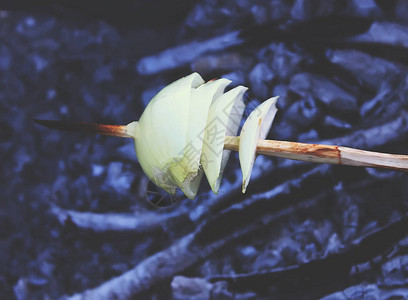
{"x": 189, "y": 128}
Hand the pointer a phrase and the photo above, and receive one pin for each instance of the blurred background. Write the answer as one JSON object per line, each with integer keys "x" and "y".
{"x": 74, "y": 216}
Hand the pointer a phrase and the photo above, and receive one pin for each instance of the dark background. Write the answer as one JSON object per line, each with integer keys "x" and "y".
{"x": 302, "y": 231}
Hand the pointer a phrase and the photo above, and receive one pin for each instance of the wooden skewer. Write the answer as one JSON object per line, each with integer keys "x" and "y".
{"x": 319, "y": 153}
{"x": 113, "y": 130}
{"x": 316, "y": 153}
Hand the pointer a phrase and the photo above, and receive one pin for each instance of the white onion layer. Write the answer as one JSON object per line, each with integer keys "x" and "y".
{"x": 255, "y": 127}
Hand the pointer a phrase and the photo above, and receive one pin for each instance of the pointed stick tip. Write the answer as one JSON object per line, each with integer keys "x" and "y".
{"x": 40, "y": 122}
{"x": 112, "y": 130}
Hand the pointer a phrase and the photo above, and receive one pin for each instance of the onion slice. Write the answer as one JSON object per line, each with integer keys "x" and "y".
{"x": 161, "y": 134}
{"x": 255, "y": 127}
{"x": 224, "y": 116}
{"x": 201, "y": 99}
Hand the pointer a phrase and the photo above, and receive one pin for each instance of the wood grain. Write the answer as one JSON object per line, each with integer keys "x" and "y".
{"x": 330, "y": 154}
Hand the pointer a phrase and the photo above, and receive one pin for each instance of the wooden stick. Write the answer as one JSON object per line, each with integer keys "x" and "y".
{"x": 316, "y": 153}
{"x": 113, "y": 130}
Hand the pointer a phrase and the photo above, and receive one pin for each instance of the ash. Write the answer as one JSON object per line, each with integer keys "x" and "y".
{"x": 75, "y": 219}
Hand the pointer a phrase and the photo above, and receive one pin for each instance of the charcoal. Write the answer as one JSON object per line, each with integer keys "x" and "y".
{"x": 21, "y": 289}
{"x": 279, "y": 9}
{"x": 335, "y": 296}
{"x": 303, "y": 113}
{"x": 305, "y": 10}
{"x": 371, "y": 70}
{"x": 394, "y": 271}
{"x": 284, "y": 62}
{"x": 285, "y": 130}
{"x": 248, "y": 251}
{"x": 110, "y": 222}
{"x": 334, "y": 245}
{"x": 190, "y": 288}
{"x": 328, "y": 8}
{"x": 199, "y": 16}
{"x": 357, "y": 292}
{"x": 363, "y": 292}
{"x": 367, "y": 138}
{"x": 325, "y": 91}
{"x": 383, "y": 174}
{"x": 332, "y": 122}
{"x": 217, "y": 16}
{"x": 309, "y": 136}
{"x": 267, "y": 260}
{"x": 127, "y": 151}
{"x": 369, "y": 227}
{"x": 208, "y": 64}
{"x": 244, "y": 4}
{"x": 118, "y": 178}
{"x": 366, "y": 8}
{"x": 385, "y": 32}
{"x": 208, "y": 268}
{"x": 260, "y": 78}
{"x": 119, "y": 267}
{"x": 227, "y": 266}
{"x": 375, "y": 107}
{"x": 37, "y": 281}
{"x": 284, "y": 93}
{"x": 182, "y": 55}
{"x": 97, "y": 170}
{"x": 321, "y": 233}
{"x": 290, "y": 253}
{"x": 220, "y": 291}
{"x": 383, "y": 294}
{"x": 301, "y": 10}
{"x": 21, "y": 157}
{"x": 350, "y": 222}
{"x": 259, "y": 13}
{"x": 310, "y": 253}
{"x": 39, "y": 62}
{"x": 33, "y": 27}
